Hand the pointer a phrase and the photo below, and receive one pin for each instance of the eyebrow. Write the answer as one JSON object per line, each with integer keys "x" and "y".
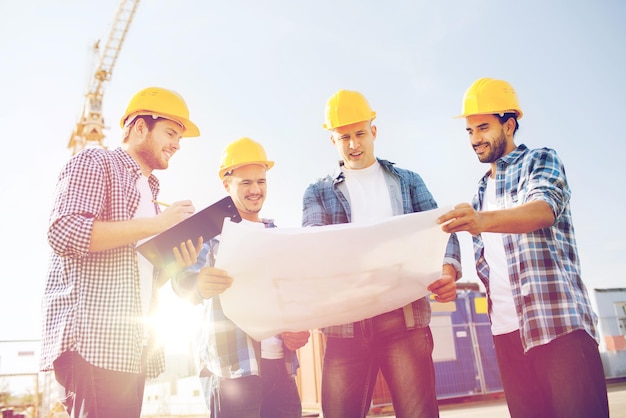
{"x": 360, "y": 131}
{"x": 252, "y": 179}
{"x": 482, "y": 125}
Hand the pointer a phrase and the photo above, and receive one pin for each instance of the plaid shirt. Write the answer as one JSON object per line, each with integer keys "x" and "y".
{"x": 325, "y": 202}
{"x": 92, "y": 300}
{"x": 544, "y": 270}
{"x": 223, "y": 348}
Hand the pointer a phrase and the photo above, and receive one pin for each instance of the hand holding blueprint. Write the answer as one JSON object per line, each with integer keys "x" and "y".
{"x": 305, "y": 278}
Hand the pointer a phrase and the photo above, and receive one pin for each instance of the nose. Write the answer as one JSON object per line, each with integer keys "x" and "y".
{"x": 176, "y": 144}
{"x": 255, "y": 188}
{"x": 475, "y": 138}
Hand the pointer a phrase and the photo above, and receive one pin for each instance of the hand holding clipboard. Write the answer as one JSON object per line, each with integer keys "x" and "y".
{"x": 206, "y": 223}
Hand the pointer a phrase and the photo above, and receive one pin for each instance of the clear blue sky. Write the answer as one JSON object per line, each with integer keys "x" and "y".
{"x": 265, "y": 70}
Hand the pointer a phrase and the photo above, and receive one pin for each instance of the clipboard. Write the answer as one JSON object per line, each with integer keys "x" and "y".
{"x": 206, "y": 223}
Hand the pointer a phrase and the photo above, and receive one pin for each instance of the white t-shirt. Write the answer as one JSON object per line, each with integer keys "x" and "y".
{"x": 272, "y": 348}
{"x": 145, "y": 209}
{"x": 503, "y": 316}
{"x": 369, "y": 194}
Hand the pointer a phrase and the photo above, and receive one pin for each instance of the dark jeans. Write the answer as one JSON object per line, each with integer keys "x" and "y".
{"x": 404, "y": 357}
{"x": 274, "y": 395}
{"x": 280, "y": 393}
{"x": 561, "y": 379}
{"x": 93, "y": 392}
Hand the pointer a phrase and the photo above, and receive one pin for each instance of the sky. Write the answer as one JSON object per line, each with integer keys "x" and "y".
{"x": 265, "y": 70}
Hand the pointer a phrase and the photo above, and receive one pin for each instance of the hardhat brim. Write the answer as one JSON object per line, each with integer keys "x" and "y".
{"x": 191, "y": 129}
{"x": 518, "y": 112}
{"x": 328, "y": 127}
{"x": 268, "y": 164}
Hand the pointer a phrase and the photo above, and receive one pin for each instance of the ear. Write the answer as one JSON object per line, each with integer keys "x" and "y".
{"x": 226, "y": 184}
{"x": 140, "y": 126}
{"x": 332, "y": 139}
{"x": 373, "y": 128}
{"x": 509, "y": 126}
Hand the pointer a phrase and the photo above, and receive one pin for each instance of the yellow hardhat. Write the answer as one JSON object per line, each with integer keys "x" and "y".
{"x": 163, "y": 103}
{"x": 488, "y": 96}
{"x": 241, "y": 152}
{"x": 345, "y": 108}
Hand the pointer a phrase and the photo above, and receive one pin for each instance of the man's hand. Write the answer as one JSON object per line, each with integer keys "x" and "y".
{"x": 174, "y": 213}
{"x": 527, "y": 217}
{"x": 444, "y": 288}
{"x": 294, "y": 340}
{"x": 462, "y": 218}
{"x": 187, "y": 254}
{"x": 213, "y": 281}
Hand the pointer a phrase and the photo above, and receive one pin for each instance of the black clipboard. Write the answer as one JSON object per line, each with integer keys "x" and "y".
{"x": 206, "y": 223}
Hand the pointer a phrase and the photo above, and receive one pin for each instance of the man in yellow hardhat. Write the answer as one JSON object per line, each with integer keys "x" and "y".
{"x": 241, "y": 378}
{"x": 99, "y": 290}
{"x": 399, "y": 343}
{"x": 526, "y": 255}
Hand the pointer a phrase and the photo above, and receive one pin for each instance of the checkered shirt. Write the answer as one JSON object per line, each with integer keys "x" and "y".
{"x": 544, "y": 269}
{"x": 92, "y": 301}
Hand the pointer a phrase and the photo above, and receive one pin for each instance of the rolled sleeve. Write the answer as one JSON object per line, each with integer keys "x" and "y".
{"x": 70, "y": 236}
{"x": 547, "y": 182}
{"x": 453, "y": 255}
{"x": 80, "y": 199}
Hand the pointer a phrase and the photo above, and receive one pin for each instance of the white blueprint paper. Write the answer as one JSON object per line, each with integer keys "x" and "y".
{"x": 294, "y": 279}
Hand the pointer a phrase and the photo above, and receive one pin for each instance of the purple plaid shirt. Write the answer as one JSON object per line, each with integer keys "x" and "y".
{"x": 92, "y": 301}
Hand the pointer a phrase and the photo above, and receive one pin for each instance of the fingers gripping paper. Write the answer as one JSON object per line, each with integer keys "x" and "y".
{"x": 306, "y": 278}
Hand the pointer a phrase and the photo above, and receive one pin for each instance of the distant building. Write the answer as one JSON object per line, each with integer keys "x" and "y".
{"x": 610, "y": 304}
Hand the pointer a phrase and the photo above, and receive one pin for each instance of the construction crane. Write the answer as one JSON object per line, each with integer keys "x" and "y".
{"x": 89, "y": 131}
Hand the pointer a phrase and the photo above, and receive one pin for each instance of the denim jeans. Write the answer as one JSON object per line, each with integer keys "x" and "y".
{"x": 93, "y": 392}
{"x": 561, "y": 379}
{"x": 273, "y": 395}
{"x": 403, "y": 356}
{"x": 280, "y": 393}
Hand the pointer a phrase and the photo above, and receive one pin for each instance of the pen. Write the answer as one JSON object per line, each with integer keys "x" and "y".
{"x": 161, "y": 203}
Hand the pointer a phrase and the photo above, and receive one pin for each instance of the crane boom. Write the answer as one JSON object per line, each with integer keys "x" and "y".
{"x": 90, "y": 126}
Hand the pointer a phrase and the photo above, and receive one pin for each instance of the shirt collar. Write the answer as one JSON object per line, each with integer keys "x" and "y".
{"x": 133, "y": 167}
{"x": 128, "y": 161}
{"x": 514, "y": 155}
{"x": 508, "y": 159}
{"x": 338, "y": 175}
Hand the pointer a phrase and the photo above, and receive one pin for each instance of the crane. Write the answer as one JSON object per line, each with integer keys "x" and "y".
{"x": 90, "y": 126}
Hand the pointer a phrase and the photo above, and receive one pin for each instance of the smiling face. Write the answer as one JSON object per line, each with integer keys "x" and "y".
{"x": 490, "y": 139}
{"x": 355, "y": 144}
{"x": 247, "y": 186}
{"x": 152, "y": 149}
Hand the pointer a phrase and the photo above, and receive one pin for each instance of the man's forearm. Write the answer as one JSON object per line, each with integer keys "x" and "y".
{"x": 108, "y": 235}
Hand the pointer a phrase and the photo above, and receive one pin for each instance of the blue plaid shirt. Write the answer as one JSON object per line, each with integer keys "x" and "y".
{"x": 544, "y": 270}
{"x": 325, "y": 202}
{"x": 223, "y": 348}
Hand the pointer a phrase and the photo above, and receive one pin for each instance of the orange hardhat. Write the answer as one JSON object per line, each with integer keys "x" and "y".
{"x": 488, "y": 96}
{"x": 163, "y": 103}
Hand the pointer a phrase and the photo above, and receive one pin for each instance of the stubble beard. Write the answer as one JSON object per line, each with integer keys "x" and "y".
{"x": 497, "y": 149}
{"x": 150, "y": 156}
